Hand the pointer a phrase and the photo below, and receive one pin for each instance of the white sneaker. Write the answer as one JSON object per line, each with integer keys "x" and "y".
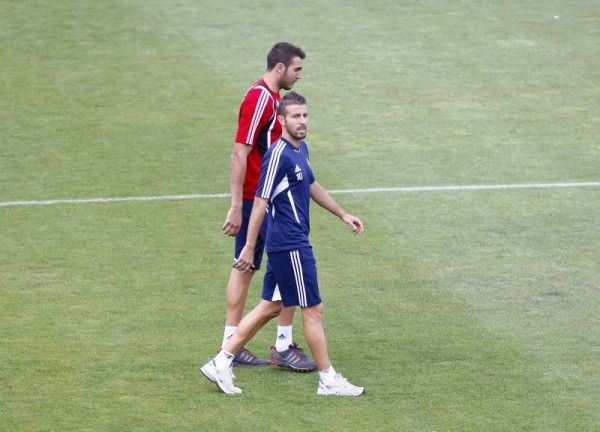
{"x": 223, "y": 378}
{"x": 339, "y": 385}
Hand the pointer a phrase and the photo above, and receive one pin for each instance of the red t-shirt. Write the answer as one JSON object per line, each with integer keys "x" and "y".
{"x": 257, "y": 127}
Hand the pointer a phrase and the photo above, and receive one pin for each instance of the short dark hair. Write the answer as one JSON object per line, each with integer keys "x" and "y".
{"x": 283, "y": 52}
{"x": 290, "y": 98}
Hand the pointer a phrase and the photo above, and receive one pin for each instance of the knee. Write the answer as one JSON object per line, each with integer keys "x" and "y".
{"x": 314, "y": 312}
{"x": 319, "y": 309}
{"x": 273, "y": 309}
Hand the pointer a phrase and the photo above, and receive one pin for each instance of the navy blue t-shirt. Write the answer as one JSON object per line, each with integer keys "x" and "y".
{"x": 285, "y": 179}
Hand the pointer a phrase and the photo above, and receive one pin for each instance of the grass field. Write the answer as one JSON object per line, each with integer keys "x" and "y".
{"x": 459, "y": 310}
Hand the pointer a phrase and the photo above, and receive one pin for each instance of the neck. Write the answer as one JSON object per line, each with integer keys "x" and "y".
{"x": 271, "y": 80}
{"x": 293, "y": 141}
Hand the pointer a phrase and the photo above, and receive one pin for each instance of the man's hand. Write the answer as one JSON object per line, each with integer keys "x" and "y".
{"x": 233, "y": 221}
{"x": 245, "y": 262}
{"x": 356, "y": 224}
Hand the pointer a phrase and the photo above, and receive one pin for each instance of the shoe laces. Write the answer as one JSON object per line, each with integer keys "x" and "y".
{"x": 337, "y": 380}
{"x": 295, "y": 348}
{"x": 340, "y": 378}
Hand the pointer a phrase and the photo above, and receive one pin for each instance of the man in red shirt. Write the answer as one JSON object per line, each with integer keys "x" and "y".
{"x": 258, "y": 128}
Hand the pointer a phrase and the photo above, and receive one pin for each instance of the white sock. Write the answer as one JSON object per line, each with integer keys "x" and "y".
{"x": 284, "y": 338}
{"x": 327, "y": 374}
{"x": 227, "y": 333}
{"x": 223, "y": 359}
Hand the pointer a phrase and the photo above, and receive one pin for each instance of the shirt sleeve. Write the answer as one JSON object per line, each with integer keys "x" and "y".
{"x": 255, "y": 111}
{"x": 271, "y": 172}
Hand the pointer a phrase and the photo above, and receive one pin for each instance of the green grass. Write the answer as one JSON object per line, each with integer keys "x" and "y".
{"x": 459, "y": 311}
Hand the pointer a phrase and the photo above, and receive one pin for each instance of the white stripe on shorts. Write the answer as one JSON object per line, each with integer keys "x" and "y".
{"x": 298, "y": 275}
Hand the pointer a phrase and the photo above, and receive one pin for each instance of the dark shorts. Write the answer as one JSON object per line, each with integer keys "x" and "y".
{"x": 291, "y": 277}
{"x": 240, "y": 238}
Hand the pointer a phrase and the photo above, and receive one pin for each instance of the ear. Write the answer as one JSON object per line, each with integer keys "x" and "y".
{"x": 280, "y": 68}
{"x": 281, "y": 119}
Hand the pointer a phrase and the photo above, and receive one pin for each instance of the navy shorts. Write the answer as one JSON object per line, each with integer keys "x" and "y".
{"x": 291, "y": 277}
{"x": 240, "y": 238}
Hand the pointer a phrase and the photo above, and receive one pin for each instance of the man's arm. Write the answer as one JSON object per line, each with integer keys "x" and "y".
{"x": 239, "y": 162}
{"x": 245, "y": 261}
{"x": 322, "y": 197}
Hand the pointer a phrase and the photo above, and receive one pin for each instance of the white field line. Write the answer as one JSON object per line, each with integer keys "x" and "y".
{"x": 443, "y": 188}
{"x": 470, "y": 187}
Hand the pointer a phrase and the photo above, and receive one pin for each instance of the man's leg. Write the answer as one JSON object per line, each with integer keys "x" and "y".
{"x": 237, "y": 293}
{"x": 330, "y": 382}
{"x": 218, "y": 369}
{"x": 252, "y": 323}
{"x": 312, "y": 322}
{"x": 284, "y": 337}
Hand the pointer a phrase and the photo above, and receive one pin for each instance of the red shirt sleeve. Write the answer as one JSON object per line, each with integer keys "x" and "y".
{"x": 255, "y": 112}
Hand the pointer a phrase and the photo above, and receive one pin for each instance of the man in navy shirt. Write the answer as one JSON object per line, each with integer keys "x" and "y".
{"x": 285, "y": 188}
